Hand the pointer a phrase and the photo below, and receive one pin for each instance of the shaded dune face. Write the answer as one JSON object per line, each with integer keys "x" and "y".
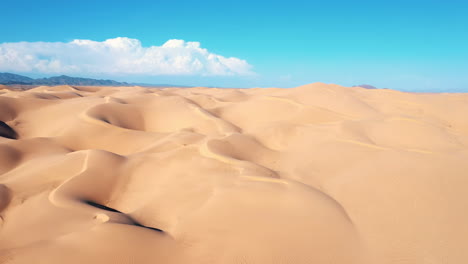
{"x": 120, "y": 115}
{"x": 6, "y": 131}
{"x": 315, "y": 174}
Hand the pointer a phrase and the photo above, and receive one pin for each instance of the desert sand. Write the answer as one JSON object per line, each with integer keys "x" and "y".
{"x": 318, "y": 174}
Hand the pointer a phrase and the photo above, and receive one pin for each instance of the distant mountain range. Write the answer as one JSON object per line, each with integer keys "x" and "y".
{"x": 20, "y": 80}
{"x": 23, "y": 81}
{"x": 10, "y": 78}
{"x": 367, "y": 86}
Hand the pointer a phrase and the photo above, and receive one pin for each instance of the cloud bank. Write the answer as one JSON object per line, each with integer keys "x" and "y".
{"x": 118, "y": 56}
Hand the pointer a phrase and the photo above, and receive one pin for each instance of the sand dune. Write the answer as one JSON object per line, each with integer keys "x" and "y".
{"x": 315, "y": 174}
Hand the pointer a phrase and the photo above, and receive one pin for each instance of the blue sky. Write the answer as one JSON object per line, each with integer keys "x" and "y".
{"x": 404, "y": 45}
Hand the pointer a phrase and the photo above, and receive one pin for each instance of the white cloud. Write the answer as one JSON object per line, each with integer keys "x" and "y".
{"x": 118, "y": 56}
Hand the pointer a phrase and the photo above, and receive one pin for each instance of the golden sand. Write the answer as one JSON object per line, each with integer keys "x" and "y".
{"x": 318, "y": 174}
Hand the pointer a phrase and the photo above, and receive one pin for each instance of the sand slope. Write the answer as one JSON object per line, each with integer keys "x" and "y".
{"x": 315, "y": 174}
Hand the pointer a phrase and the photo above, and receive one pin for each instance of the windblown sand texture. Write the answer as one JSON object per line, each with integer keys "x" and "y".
{"x": 318, "y": 174}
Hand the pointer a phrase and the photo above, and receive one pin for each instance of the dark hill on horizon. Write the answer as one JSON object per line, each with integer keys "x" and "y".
{"x": 366, "y": 86}
{"x": 24, "y": 82}
{"x": 12, "y": 79}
